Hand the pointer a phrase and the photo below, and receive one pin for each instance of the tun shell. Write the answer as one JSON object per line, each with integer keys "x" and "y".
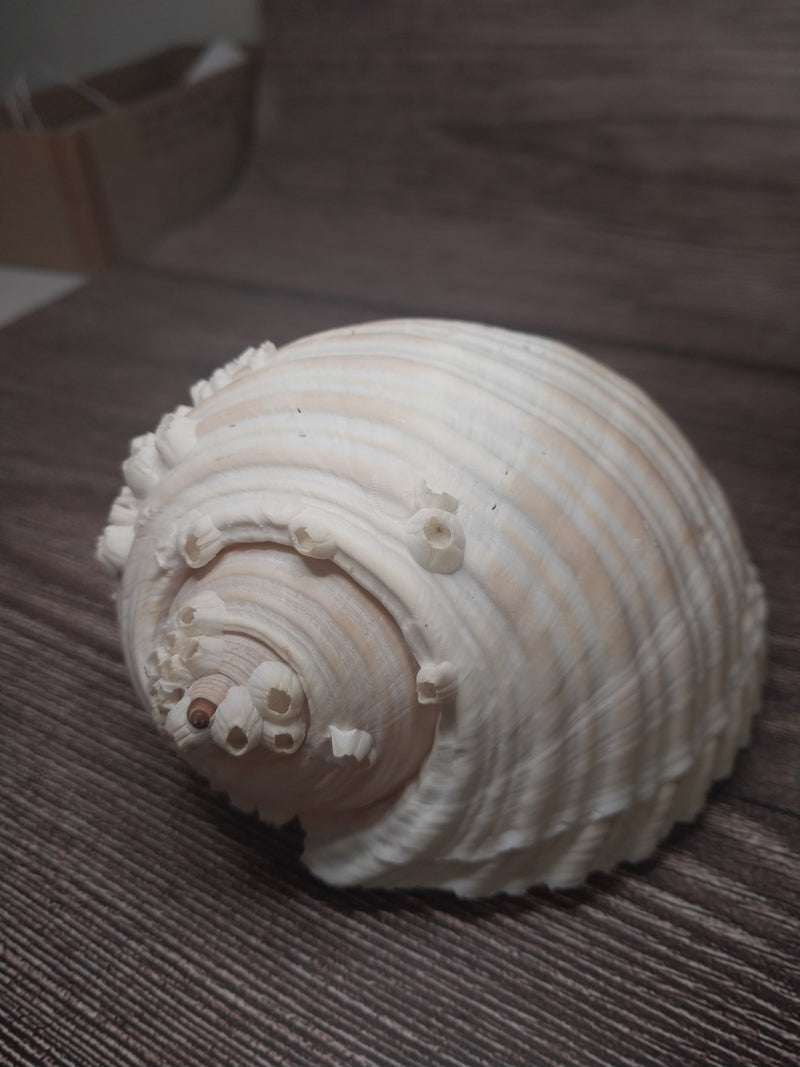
{"x": 462, "y": 599}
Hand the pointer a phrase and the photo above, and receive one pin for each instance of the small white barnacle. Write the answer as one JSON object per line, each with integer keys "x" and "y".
{"x": 220, "y": 378}
{"x": 166, "y": 695}
{"x": 283, "y": 738}
{"x": 113, "y": 548}
{"x": 203, "y": 613}
{"x": 276, "y": 692}
{"x": 198, "y": 539}
{"x": 496, "y": 628}
{"x": 125, "y": 509}
{"x": 175, "y": 436}
{"x": 200, "y": 391}
{"x": 436, "y": 540}
{"x": 311, "y": 536}
{"x": 202, "y": 655}
{"x": 143, "y": 468}
{"x": 236, "y": 724}
{"x": 352, "y": 743}
{"x": 250, "y": 360}
{"x": 436, "y": 682}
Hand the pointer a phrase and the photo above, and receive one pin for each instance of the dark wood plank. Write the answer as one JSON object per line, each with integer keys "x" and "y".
{"x": 621, "y": 171}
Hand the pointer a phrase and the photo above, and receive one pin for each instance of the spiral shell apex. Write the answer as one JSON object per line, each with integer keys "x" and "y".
{"x": 462, "y": 599}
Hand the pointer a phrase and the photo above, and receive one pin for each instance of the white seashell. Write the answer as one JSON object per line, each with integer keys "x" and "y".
{"x": 462, "y": 599}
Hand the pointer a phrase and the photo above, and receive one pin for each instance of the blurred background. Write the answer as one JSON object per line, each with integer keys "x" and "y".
{"x": 44, "y": 43}
{"x": 43, "y": 39}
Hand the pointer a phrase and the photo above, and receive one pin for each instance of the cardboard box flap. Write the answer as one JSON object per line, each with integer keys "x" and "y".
{"x": 94, "y": 185}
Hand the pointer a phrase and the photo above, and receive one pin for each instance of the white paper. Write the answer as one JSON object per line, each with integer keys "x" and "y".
{"x": 218, "y": 56}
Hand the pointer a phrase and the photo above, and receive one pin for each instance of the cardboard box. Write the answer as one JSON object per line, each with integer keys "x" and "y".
{"x": 95, "y": 185}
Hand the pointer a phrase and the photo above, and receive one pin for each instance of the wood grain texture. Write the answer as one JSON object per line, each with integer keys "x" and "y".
{"x": 144, "y": 922}
{"x": 615, "y": 171}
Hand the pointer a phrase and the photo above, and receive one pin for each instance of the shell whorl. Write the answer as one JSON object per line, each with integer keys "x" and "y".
{"x": 463, "y": 599}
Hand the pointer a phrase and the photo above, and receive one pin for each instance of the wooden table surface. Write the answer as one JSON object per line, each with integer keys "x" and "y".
{"x": 621, "y": 176}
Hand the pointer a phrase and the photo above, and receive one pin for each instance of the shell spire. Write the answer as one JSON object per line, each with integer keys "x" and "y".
{"x": 462, "y": 599}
